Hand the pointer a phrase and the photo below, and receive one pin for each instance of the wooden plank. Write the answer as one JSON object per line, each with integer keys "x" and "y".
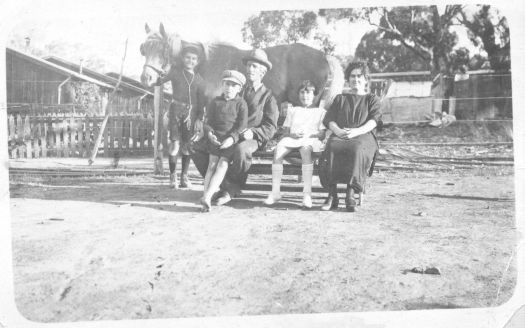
{"x": 12, "y": 127}
{"x": 19, "y": 128}
{"x": 115, "y": 136}
{"x": 148, "y": 131}
{"x": 106, "y": 136}
{"x": 39, "y": 127}
{"x": 73, "y": 132}
{"x": 81, "y": 145}
{"x": 66, "y": 136}
{"x": 121, "y": 128}
{"x": 133, "y": 132}
{"x": 27, "y": 137}
{"x": 44, "y": 137}
{"x": 142, "y": 133}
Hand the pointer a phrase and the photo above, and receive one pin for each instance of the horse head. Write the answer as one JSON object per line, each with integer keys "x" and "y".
{"x": 159, "y": 49}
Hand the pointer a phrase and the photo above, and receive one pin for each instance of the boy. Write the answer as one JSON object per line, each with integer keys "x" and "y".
{"x": 227, "y": 116}
{"x": 186, "y": 107}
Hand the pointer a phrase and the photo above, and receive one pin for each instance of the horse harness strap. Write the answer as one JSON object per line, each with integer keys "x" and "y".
{"x": 157, "y": 70}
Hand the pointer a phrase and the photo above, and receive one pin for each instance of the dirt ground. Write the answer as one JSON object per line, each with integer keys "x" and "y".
{"x": 125, "y": 247}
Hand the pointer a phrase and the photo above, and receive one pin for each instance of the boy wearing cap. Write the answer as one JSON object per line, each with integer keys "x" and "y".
{"x": 186, "y": 108}
{"x": 226, "y": 118}
{"x": 262, "y": 124}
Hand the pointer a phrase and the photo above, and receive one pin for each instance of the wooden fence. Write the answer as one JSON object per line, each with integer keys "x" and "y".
{"x": 68, "y": 135}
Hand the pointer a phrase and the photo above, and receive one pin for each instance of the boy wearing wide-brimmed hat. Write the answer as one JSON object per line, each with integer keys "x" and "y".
{"x": 226, "y": 118}
{"x": 186, "y": 108}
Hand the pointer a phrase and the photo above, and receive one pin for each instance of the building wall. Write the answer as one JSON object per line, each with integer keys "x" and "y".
{"x": 406, "y": 109}
{"x": 31, "y": 83}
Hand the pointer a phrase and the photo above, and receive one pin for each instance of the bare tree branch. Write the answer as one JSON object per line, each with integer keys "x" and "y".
{"x": 107, "y": 109}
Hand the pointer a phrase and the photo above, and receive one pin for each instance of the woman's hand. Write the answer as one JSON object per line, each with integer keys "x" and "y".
{"x": 340, "y": 133}
{"x": 351, "y": 133}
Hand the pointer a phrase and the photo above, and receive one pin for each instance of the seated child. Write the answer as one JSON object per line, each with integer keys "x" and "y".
{"x": 226, "y": 117}
{"x": 304, "y": 130}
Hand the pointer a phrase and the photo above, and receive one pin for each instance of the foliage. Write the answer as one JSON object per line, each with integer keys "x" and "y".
{"x": 271, "y": 28}
{"x": 384, "y": 55}
{"x": 490, "y": 30}
{"x": 410, "y": 37}
{"x": 86, "y": 96}
{"x": 73, "y": 52}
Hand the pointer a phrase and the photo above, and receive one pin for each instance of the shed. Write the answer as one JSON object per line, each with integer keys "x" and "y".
{"x": 409, "y": 97}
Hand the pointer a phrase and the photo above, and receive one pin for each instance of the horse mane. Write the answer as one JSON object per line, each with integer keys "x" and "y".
{"x": 155, "y": 43}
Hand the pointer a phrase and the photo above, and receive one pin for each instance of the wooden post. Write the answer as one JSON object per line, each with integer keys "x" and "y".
{"x": 107, "y": 109}
{"x": 157, "y": 123}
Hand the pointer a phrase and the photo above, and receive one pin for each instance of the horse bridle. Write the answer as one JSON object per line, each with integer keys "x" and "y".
{"x": 161, "y": 72}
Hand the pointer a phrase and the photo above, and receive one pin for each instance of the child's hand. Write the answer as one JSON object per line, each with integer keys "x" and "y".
{"x": 228, "y": 142}
{"x": 187, "y": 120}
{"x": 247, "y": 134}
{"x": 213, "y": 139}
{"x": 297, "y": 135}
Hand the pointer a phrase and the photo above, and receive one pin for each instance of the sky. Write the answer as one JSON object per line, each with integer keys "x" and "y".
{"x": 103, "y": 26}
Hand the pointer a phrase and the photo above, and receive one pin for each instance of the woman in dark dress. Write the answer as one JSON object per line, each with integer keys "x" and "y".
{"x": 351, "y": 148}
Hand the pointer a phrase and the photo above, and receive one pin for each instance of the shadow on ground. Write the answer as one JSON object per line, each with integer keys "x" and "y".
{"x": 150, "y": 194}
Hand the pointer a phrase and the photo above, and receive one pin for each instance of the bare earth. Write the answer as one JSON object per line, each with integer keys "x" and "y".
{"x": 129, "y": 247}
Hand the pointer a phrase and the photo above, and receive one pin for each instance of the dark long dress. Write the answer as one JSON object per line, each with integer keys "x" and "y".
{"x": 348, "y": 161}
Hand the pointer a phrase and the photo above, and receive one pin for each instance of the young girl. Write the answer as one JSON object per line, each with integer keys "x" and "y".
{"x": 304, "y": 130}
{"x": 227, "y": 116}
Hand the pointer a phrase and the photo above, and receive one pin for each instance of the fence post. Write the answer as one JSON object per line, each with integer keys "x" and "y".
{"x": 44, "y": 137}
{"x": 157, "y": 123}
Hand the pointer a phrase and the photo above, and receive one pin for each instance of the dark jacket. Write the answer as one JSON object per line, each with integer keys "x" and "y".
{"x": 182, "y": 91}
{"x": 262, "y": 113}
{"x": 226, "y": 118}
{"x": 352, "y": 111}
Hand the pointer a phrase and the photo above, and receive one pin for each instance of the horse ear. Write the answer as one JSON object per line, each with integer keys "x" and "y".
{"x": 204, "y": 51}
{"x": 147, "y": 28}
{"x": 162, "y": 31}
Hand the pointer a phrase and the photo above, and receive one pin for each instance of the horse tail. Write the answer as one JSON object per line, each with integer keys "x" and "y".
{"x": 335, "y": 83}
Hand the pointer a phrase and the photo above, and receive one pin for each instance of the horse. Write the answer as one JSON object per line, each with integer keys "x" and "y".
{"x": 292, "y": 64}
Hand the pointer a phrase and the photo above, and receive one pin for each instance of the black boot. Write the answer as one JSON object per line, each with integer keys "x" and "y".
{"x": 332, "y": 201}
{"x": 349, "y": 199}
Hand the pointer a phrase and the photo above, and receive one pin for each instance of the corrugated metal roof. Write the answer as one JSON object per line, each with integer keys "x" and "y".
{"x": 104, "y": 77}
{"x": 57, "y": 68}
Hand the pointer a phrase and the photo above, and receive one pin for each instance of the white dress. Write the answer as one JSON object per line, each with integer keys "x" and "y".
{"x": 308, "y": 121}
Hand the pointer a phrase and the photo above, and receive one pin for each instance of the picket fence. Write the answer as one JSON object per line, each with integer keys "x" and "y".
{"x": 74, "y": 135}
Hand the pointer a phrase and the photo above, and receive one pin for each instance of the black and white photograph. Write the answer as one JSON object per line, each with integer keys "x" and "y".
{"x": 247, "y": 164}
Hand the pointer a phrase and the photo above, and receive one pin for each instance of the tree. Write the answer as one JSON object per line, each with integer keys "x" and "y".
{"x": 271, "y": 28}
{"x": 424, "y": 31}
{"x": 489, "y": 30}
{"x": 385, "y": 55}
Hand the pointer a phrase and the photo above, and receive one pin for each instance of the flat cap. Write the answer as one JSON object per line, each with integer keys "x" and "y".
{"x": 233, "y": 76}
